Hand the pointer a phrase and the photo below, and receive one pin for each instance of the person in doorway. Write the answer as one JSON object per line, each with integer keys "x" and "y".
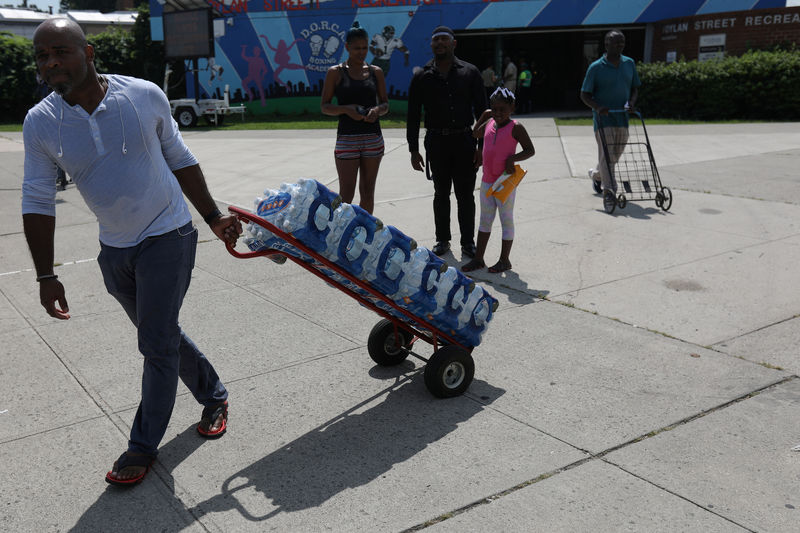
{"x": 525, "y": 88}
{"x": 500, "y": 136}
{"x": 509, "y": 74}
{"x": 489, "y": 79}
{"x": 611, "y": 83}
{"x": 451, "y": 93}
{"x": 116, "y": 138}
{"x": 360, "y": 91}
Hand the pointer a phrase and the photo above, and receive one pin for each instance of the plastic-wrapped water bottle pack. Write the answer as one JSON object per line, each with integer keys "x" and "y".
{"x": 383, "y": 256}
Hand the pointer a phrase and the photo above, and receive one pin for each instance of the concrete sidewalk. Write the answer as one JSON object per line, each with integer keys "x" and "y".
{"x": 640, "y": 374}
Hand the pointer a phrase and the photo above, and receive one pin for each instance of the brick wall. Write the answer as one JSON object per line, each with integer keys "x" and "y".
{"x": 742, "y": 30}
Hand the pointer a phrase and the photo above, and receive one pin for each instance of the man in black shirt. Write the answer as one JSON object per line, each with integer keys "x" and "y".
{"x": 451, "y": 92}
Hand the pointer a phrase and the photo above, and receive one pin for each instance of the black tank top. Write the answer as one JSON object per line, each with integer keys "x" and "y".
{"x": 360, "y": 92}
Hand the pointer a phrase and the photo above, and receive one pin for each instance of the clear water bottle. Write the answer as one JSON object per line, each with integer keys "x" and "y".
{"x": 452, "y": 292}
{"x": 340, "y": 219}
{"x": 318, "y": 205}
{"x": 369, "y": 267}
{"x": 475, "y": 316}
{"x": 389, "y": 266}
{"x": 418, "y": 285}
{"x": 359, "y": 231}
{"x": 355, "y": 245}
{"x": 296, "y": 215}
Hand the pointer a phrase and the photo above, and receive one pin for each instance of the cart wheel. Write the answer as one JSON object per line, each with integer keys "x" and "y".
{"x": 597, "y": 186}
{"x": 185, "y": 117}
{"x": 622, "y": 201}
{"x": 449, "y": 372}
{"x": 659, "y": 199}
{"x": 382, "y": 344}
{"x": 609, "y": 202}
{"x": 667, "y": 198}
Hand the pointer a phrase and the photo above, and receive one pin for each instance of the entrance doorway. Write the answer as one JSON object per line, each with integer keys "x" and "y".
{"x": 557, "y": 57}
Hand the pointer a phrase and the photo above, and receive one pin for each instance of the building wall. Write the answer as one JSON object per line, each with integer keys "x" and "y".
{"x": 742, "y": 30}
{"x": 269, "y": 51}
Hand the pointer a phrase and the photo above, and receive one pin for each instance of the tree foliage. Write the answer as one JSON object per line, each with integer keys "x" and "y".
{"x": 17, "y": 76}
{"x": 130, "y": 53}
{"x": 116, "y": 52}
{"x": 103, "y": 6}
{"x": 761, "y": 84}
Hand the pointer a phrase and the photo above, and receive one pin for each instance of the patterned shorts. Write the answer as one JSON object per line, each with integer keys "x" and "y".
{"x": 357, "y": 146}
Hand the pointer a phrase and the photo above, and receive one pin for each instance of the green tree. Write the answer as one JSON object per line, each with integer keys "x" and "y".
{"x": 131, "y": 53}
{"x": 103, "y": 6}
{"x": 17, "y": 76}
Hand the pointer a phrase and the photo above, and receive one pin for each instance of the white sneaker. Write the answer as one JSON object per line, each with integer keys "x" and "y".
{"x": 591, "y": 173}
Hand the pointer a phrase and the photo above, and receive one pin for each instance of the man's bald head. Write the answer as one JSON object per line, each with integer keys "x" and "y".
{"x": 64, "y": 59}
{"x": 65, "y": 27}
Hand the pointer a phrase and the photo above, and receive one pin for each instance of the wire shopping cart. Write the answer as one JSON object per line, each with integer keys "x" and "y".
{"x": 630, "y": 163}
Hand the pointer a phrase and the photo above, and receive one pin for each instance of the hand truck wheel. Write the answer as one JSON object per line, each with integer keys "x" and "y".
{"x": 384, "y": 346}
{"x": 449, "y": 372}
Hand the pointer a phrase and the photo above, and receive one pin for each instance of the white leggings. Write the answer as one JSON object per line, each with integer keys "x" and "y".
{"x": 491, "y": 205}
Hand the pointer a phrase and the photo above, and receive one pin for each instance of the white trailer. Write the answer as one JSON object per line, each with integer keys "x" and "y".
{"x": 187, "y": 110}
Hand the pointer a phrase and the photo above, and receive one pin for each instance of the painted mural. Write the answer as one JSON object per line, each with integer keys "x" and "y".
{"x": 273, "y": 54}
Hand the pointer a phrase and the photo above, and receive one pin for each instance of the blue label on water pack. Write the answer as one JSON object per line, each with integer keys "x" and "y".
{"x": 273, "y": 204}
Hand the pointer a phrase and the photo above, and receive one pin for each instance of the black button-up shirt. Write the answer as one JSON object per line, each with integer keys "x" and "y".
{"x": 452, "y": 102}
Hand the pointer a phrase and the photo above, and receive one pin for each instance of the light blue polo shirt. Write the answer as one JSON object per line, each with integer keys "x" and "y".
{"x": 611, "y": 86}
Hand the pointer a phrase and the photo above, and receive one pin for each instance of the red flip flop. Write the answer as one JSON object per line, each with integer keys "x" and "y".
{"x": 127, "y": 460}
{"x": 210, "y": 415}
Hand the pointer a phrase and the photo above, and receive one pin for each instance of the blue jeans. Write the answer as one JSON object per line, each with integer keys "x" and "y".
{"x": 150, "y": 281}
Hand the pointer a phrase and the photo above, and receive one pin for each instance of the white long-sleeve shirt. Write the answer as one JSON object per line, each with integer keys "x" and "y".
{"x": 120, "y": 157}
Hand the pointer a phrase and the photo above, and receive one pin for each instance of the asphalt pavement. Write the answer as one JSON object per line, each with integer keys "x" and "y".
{"x": 640, "y": 373}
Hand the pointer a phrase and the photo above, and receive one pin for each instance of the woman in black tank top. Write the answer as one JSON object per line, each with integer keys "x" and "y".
{"x": 360, "y": 91}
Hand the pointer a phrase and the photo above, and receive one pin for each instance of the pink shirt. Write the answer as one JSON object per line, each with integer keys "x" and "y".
{"x": 498, "y": 144}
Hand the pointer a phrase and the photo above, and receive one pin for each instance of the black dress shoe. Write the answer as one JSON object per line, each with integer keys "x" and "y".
{"x": 441, "y": 248}
{"x": 469, "y": 250}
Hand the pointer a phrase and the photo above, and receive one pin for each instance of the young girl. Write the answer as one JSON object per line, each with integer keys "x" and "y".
{"x": 500, "y": 137}
{"x": 360, "y": 91}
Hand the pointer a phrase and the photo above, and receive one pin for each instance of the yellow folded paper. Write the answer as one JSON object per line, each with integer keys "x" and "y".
{"x": 506, "y": 183}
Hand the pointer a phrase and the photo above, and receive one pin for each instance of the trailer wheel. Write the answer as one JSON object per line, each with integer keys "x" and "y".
{"x": 609, "y": 202}
{"x": 622, "y": 201}
{"x": 214, "y": 120}
{"x": 383, "y": 345}
{"x": 449, "y": 372}
{"x": 185, "y": 117}
{"x": 666, "y": 203}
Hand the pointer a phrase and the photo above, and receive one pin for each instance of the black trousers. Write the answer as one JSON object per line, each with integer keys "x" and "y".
{"x": 451, "y": 158}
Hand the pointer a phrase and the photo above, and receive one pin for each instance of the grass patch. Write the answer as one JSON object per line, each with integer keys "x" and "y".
{"x": 307, "y": 121}
{"x": 587, "y": 121}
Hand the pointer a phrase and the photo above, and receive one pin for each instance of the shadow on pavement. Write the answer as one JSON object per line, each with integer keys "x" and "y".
{"x": 121, "y": 509}
{"x": 350, "y": 450}
{"x": 511, "y": 284}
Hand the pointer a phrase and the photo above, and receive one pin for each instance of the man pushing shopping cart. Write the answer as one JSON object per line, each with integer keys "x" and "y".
{"x": 610, "y": 88}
